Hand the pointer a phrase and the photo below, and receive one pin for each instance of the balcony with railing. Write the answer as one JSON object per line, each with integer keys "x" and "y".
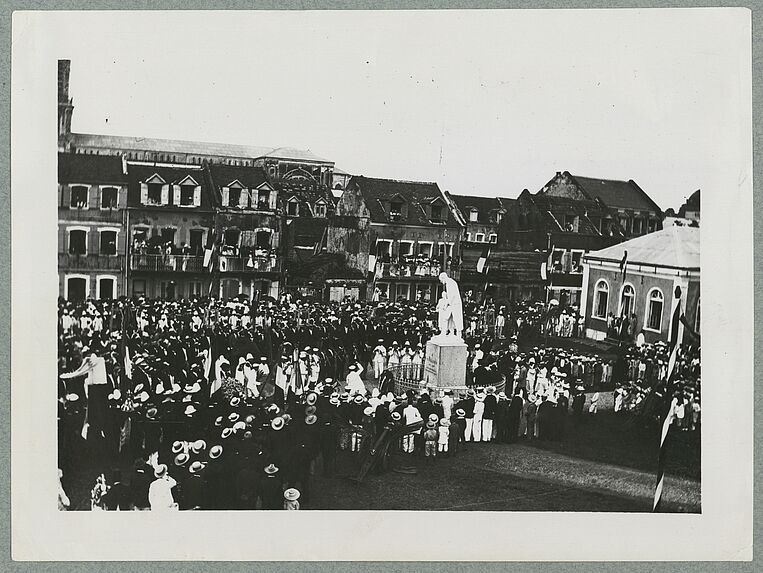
{"x": 90, "y": 262}
{"x": 92, "y": 214}
{"x": 167, "y": 263}
{"x": 251, "y": 264}
{"x": 417, "y": 270}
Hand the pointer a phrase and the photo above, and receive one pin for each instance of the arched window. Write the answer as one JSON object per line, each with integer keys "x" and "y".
{"x": 601, "y": 296}
{"x": 627, "y": 298}
{"x": 655, "y": 302}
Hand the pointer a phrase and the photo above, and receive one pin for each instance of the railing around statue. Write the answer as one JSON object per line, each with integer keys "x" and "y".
{"x": 411, "y": 377}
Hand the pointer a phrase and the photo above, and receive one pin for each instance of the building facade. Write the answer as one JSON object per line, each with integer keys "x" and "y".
{"x": 656, "y": 264}
{"x": 248, "y": 226}
{"x": 567, "y": 218}
{"x": 403, "y": 233}
{"x": 481, "y": 217}
{"x": 92, "y": 208}
{"x": 170, "y": 214}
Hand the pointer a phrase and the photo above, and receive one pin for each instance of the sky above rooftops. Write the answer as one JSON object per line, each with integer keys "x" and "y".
{"x": 482, "y": 102}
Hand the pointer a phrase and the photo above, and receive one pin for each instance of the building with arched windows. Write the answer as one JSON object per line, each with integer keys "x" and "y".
{"x": 655, "y": 265}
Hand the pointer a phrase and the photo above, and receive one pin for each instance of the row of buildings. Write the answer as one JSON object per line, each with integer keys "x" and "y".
{"x": 174, "y": 219}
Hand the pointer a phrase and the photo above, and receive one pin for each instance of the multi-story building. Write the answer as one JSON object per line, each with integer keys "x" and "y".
{"x": 184, "y": 195}
{"x": 630, "y": 206}
{"x": 92, "y": 200}
{"x": 567, "y": 218}
{"x": 170, "y": 213}
{"x": 403, "y": 232}
{"x": 248, "y": 226}
{"x": 481, "y": 217}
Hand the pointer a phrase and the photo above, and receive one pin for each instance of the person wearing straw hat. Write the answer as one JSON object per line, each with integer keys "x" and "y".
{"x": 271, "y": 488}
{"x": 379, "y": 359}
{"x": 291, "y": 499}
{"x": 160, "y": 496}
{"x": 195, "y": 491}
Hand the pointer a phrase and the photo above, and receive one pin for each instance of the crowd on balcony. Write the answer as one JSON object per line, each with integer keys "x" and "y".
{"x": 413, "y": 265}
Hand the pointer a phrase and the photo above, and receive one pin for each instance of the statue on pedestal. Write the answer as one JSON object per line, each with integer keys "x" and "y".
{"x": 450, "y": 309}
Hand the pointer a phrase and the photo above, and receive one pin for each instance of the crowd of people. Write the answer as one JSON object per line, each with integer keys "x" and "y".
{"x": 644, "y": 377}
{"x": 208, "y": 404}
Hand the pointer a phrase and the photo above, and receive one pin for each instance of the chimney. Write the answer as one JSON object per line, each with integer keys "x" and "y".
{"x": 65, "y": 106}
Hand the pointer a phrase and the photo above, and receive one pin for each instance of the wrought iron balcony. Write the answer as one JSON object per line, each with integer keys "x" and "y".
{"x": 417, "y": 270}
{"x": 248, "y": 264}
{"x": 92, "y": 214}
{"x": 167, "y": 263}
{"x": 90, "y": 262}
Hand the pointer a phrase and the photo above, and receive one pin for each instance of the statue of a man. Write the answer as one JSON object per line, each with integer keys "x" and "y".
{"x": 455, "y": 312}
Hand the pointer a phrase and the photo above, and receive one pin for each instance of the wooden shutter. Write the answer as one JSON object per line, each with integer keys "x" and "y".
{"x": 165, "y": 194}
{"x": 197, "y": 196}
{"x": 144, "y": 194}
{"x": 176, "y": 194}
{"x": 243, "y": 198}
{"x": 225, "y": 196}
{"x": 274, "y": 240}
{"x": 66, "y": 196}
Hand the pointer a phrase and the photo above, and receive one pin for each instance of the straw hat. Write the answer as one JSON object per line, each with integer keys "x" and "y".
{"x": 291, "y": 494}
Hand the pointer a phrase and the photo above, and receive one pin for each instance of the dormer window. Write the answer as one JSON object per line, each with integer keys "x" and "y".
{"x": 234, "y": 196}
{"x": 186, "y": 194}
{"x": 263, "y": 199}
{"x": 155, "y": 193}
{"x": 495, "y": 217}
{"x": 436, "y": 211}
{"x": 292, "y": 208}
{"x": 320, "y": 209}
{"x": 473, "y": 215}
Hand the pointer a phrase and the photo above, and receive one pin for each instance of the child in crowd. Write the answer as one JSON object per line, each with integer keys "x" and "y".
{"x": 430, "y": 441}
{"x": 444, "y": 437}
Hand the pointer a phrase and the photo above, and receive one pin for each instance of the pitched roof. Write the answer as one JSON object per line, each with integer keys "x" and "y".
{"x": 191, "y": 147}
{"x": 249, "y": 177}
{"x": 296, "y": 154}
{"x": 554, "y": 209}
{"x": 673, "y": 247}
{"x": 617, "y": 194}
{"x": 137, "y": 173}
{"x": 418, "y": 195}
{"x": 80, "y": 168}
{"x": 484, "y": 205}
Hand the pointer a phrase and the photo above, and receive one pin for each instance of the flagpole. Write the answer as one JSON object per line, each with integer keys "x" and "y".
{"x": 672, "y": 403}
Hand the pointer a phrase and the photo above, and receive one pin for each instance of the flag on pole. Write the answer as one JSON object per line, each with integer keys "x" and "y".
{"x": 675, "y": 340}
{"x": 482, "y": 261}
{"x": 209, "y": 250}
{"x": 127, "y": 362}
{"x": 624, "y": 265}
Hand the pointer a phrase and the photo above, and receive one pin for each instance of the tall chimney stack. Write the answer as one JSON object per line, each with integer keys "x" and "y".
{"x": 65, "y": 105}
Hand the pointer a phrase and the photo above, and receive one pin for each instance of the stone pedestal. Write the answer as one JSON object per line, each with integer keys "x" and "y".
{"x": 445, "y": 363}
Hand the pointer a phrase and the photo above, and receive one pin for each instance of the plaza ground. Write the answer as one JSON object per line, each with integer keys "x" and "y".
{"x": 604, "y": 463}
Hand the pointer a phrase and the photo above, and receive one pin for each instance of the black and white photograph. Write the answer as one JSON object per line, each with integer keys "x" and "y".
{"x": 426, "y": 261}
